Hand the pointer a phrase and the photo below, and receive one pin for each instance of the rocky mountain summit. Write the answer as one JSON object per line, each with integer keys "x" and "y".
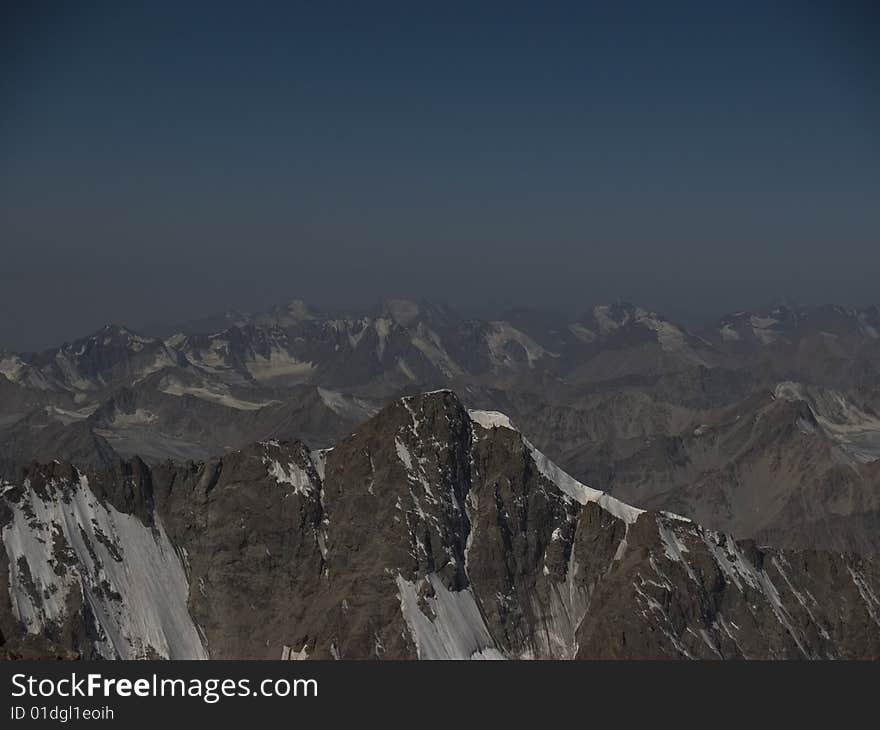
{"x": 430, "y": 532}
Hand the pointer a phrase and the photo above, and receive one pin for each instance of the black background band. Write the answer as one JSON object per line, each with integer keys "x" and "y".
{"x": 554, "y": 695}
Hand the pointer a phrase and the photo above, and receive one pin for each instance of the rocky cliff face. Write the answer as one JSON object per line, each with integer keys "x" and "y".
{"x": 432, "y": 532}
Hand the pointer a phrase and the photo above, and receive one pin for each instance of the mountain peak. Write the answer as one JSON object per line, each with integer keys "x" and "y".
{"x": 113, "y": 329}
{"x": 112, "y": 335}
{"x": 284, "y": 315}
{"x": 299, "y": 309}
{"x": 402, "y": 311}
{"x": 411, "y": 312}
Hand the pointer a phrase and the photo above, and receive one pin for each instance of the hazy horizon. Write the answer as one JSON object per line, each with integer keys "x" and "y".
{"x": 156, "y": 328}
{"x": 162, "y": 164}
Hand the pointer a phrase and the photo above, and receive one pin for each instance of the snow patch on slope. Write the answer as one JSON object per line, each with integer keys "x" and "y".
{"x": 566, "y": 483}
{"x": 568, "y": 605}
{"x": 222, "y": 397}
{"x": 428, "y": 343}
{"x": 289, "y": 473}
{"x": 764, "y": 329}
{"x": 12, "y": 367}
{"x": 455, "y": 630}
{"x": 129, "y": 575}
{"x": 670, "y": 337}
{"x": 728, "y": 333}
{"x": 492, "y": 419}
{"x": 856, "y": 431}
{"x": 279, "y": 364}
{"x": 499, "y": 338}
{"x": 345, "y": 405}
{"x": 403, "y": 454}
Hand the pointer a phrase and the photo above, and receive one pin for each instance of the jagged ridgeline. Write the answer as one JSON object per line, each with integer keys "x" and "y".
{"x": 764, "y": 425}
{"x": 431, "y": 532}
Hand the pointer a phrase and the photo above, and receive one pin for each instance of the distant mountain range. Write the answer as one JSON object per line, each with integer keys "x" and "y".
{"x": 764, "y": 425}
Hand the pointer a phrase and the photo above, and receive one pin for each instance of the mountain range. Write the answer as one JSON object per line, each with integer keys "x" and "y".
{"x": 431, "y": 532}
{"x": 763, "y": 425}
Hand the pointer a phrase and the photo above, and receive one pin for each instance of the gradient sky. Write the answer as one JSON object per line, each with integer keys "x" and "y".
{"x": 159, "y": 163}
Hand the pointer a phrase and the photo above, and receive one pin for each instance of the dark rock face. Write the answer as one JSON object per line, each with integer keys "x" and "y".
{"x": 430, "y": 533}
{"x": 249, "y": 526}
{"x": 76, "y": 443}
{"x": 690, "y": 593}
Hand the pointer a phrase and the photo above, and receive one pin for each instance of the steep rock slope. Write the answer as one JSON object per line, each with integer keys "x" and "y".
{"x": 91, "y": 571}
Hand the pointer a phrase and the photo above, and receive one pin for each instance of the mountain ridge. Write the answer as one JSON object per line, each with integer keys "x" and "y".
{"x": 612, "y": 396}
{"x": 485, "y": 549}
